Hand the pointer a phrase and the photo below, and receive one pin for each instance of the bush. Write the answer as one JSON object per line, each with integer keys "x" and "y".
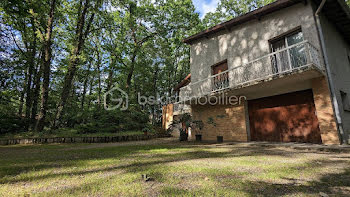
{"x": 148, "y": 128}
{"x": 11, "y": 124}
{"x": 160, "y": 130}
{"x": 88, "y": 128}
{"x": 183, "y": 135}
{"x": 114, "y": 121}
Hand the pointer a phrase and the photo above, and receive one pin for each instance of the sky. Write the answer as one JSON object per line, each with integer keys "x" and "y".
{"x": 205, "y": 6}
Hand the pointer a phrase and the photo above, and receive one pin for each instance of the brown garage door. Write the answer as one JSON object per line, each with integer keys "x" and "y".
{"x": 284, "y": 118}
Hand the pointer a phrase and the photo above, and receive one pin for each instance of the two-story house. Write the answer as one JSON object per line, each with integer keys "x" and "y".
{"x": 285, "y": 66}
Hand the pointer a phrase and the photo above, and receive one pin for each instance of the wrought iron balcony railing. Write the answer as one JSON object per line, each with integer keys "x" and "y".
{"x": 296, "y": 57}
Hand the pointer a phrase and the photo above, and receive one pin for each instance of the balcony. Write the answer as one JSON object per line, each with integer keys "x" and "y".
{"x": 297, "y": 58}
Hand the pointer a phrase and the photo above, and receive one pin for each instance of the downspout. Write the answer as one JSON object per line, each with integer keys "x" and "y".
{"x": 329, "y": 75}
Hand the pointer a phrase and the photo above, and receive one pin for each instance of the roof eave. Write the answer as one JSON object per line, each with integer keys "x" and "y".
{"x": 253, "y": 15}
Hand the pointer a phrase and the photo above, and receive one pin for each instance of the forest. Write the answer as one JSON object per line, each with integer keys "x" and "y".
{"x": 59, "y": 58}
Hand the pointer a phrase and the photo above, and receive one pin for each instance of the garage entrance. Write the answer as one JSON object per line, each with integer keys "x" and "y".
{"x": 284, "y": 118}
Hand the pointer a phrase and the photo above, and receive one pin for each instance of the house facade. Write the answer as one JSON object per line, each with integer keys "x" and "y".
{"x": 280, "y": 73}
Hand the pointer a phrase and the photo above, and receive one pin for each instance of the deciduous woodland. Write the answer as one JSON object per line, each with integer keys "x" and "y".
{"x": 59, "y": 58}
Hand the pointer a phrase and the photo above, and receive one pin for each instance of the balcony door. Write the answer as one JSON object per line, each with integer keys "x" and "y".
{"x": 288, "y": 59}
{"x": 220, "y": 77}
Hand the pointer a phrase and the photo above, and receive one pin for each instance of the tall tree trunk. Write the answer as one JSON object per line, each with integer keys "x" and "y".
{"x": 28, "y": 91}
{"x": 36, "y": 92}
{"x": 133, "y": 59}
{"x": 46, "y": 69}
{"x": 85, "y": 86}
{"x": 109, "y": 82}
{"x": 155, "y": 77}
{"x": 90, "y": 90}
{"x": 98, "y": 65}
{"x": 31, "y": 65}
{"x": 21, "y": 100}
{"x": 110, "y": 74}
{"x": 70, "y": 104}
{"x": 74, "y": 60}
{"x": 131, "y": 71}
{"x": 169, "y": 84}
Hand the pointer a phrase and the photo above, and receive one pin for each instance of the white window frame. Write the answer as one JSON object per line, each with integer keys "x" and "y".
{"x": 284, "y": 37}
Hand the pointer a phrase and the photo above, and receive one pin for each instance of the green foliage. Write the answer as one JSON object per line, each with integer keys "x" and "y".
{"x": 134, "y": 45}
{"x": 211, "y": 121}
{"x": 148, "y": 128}
{"x": 198, "y": 124}
{"x": 228, "y": 9}
{"x": 183, "y": 135}
{"x": 187, "y": 119}
{"x": 114, "y": 122}
{"x": 11, "y": 123}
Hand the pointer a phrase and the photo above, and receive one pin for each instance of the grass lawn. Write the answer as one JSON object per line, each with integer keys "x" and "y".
{"x": 185, "y": 169}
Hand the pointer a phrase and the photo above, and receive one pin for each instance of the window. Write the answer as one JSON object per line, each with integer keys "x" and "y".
{"x": 291, "y": 58}
{"x": 345, "y": 101}
{"x": 220, "y": 81}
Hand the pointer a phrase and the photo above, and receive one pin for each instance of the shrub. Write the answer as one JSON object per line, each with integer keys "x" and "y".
{"x": 148, "y": 128}
{"x": 11, "y": 124}
{"x": 115, "y": 121}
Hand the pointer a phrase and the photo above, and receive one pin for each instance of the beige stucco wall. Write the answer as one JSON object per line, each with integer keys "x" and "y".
{"x": 338, "y": 50}
{"x": 248, "y": 41}
{"x": 230, "y": 122}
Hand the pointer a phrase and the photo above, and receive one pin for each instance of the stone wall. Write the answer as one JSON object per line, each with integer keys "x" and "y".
{"x": 79, "y": 139}
{"x": 221, "y": 120}
{"x": 325, "y": 112}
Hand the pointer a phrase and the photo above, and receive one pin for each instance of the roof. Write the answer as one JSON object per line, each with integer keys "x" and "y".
{"x": 336, "y": 10}
{"x": 183, "y": 83}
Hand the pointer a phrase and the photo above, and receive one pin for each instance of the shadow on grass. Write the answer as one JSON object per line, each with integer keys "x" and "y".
{"x": 328, "y": 183}
{"x": 42, "y": 159}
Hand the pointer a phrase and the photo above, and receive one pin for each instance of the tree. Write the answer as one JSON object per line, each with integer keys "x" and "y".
{"x": 228, "y": 9}
{"x": 46, "y": 66}
{"x": 84, "y": 22}
{"x": 64, "y": 55}
{"x": 23, "y": 25}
